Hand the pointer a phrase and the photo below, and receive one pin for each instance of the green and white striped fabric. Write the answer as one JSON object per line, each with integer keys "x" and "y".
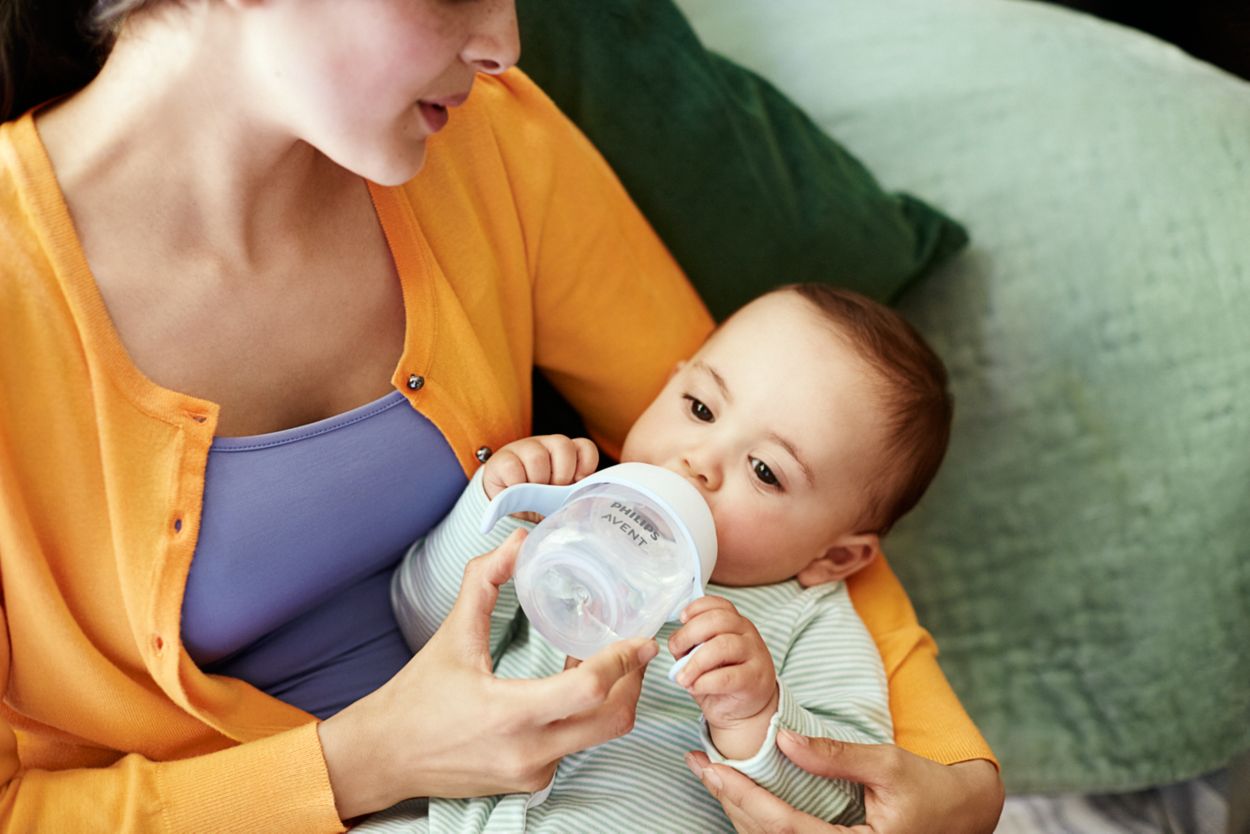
{"x": 831, "y": 678}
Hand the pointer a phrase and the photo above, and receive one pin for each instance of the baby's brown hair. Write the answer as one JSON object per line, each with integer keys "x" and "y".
{"x": 913, "y": 395}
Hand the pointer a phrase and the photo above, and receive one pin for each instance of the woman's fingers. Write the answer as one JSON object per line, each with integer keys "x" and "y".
{"x": 611, "y": 719}
{"x": 589, "y": 684}
{"x": 470, "y": 615}
{"x": 872, "y": 765}
{"x": 750, "y": 808}
{"x": 904, "y": 792}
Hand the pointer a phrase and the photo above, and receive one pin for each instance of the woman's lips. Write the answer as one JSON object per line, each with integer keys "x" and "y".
{"x": 435, "y": 115}
{"x": 435, "y": 109}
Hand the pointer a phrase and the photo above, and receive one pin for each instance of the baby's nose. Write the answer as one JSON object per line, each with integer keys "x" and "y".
{"x": 704, "y": 476}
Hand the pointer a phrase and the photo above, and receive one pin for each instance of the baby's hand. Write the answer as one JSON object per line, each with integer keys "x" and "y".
{"x": 731, "y": 677}
{"x": 549, "y": 459}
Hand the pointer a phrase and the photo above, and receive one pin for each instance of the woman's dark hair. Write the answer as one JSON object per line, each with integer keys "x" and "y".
{"x": 52, "y": 47}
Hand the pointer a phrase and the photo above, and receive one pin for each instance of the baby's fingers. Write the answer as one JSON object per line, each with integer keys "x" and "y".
{"x": 536, "y": 457}
{"x": 562, "y": 454}
{"x": 726, "y": 649}
{"x": 502, "y": 471}
{"x": 705, "y": 603}
{"x": 587, "y": 457}
{"x": 739, "y": 679}
{"x": 704, "y": 627}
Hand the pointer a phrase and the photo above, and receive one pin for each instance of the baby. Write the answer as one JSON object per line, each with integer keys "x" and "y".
{"x": 810, "y": 421}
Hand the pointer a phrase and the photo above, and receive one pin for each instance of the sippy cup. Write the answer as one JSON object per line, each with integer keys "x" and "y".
{"x": 618, "y": 554}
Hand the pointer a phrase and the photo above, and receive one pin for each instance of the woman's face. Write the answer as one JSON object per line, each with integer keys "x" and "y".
{"x": 366, "y": 82}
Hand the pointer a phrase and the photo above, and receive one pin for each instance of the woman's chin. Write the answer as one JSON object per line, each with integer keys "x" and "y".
{"x": 399, "y": 170}
{"x": 392, "y": 168}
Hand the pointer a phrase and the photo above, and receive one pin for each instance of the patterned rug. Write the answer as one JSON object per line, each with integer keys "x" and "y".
{"x": 1213, "y": 804}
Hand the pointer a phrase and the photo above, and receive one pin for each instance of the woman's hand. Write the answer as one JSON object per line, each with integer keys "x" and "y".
{"x": 446, "y": 726}
{"x": 903, "y": 793}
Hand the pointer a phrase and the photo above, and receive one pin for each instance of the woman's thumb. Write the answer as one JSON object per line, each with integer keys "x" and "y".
{"x": 866, "y": 764}
{"x": 480, "y": 589}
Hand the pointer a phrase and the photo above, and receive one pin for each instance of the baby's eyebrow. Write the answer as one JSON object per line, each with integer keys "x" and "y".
{"x": 699, "y": 364}
{"x": 794, "y": 453}
{"x": 720, "y": 380}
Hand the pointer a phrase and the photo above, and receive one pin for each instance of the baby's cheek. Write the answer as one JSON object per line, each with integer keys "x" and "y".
{"x": 738, "y": 541}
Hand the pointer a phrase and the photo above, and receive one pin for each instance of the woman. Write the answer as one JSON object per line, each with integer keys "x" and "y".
{"x": 273, "y": 285}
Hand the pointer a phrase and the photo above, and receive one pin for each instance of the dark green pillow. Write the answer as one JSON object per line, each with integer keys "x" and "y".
{"x": 746, "y": 191}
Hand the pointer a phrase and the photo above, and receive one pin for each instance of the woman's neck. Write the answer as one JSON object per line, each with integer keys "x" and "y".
{"x": 170, "y": 136}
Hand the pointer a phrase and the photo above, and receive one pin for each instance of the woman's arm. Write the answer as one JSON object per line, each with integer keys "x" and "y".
{"x": 443, "y": 726}
{"x": 613, "y": 313}
{"x": 928, "y": 718}
{"x": 276, "y": 784}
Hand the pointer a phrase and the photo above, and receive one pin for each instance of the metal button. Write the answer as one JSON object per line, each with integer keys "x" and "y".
{"x": 416, "y": 383}
{"x": 483, "y": 454}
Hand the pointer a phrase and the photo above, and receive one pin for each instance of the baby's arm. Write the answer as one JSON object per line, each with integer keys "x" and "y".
{"x": 830, "y": 683}
{"x": 731, "y": 677}
{"x": 425, "y": 585}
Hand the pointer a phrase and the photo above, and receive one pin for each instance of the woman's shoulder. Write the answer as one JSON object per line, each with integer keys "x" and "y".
{"x": 22, "y": 188}
{"x": 11, "y": 204}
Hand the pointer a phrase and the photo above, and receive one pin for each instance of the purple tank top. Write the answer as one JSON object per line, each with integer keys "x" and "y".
{"x": 289, "y": 588}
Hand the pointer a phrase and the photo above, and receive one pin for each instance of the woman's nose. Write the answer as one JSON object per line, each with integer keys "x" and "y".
{"x": 496, "y": 42}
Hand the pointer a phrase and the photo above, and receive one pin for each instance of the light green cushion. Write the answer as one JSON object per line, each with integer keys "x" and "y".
{"x": 1084, "y": 556}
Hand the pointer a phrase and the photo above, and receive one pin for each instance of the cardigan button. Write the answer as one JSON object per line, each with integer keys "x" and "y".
{"x": 416, "y": 383}
{"x": 483, "y": 454}
{"x": 158, "y": 644}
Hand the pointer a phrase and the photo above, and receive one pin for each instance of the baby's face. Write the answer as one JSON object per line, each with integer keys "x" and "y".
{"x": 775, "y": 422}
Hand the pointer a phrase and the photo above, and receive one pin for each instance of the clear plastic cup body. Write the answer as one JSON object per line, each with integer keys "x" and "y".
{"x": 606, "y": 566}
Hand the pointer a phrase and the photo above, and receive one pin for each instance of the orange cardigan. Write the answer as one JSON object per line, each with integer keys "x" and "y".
{"x": 515, "y": 246}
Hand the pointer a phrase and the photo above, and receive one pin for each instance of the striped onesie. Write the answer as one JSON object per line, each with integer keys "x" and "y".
{"x": 831, "y": 679}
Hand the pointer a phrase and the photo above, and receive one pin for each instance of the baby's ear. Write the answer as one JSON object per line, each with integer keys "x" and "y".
{"x": 843, "y": 558}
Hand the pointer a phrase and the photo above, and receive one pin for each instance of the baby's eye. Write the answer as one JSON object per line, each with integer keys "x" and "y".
{"x": 763, "y": 472}
{"x": 699, "y": 410}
